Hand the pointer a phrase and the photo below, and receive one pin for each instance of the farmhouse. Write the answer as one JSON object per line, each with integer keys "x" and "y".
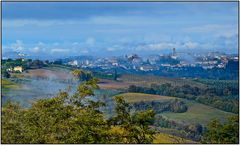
{"x": 18, "y": 68}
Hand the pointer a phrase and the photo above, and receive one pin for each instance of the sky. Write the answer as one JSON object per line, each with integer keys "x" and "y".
{"x": 62, "y": 29}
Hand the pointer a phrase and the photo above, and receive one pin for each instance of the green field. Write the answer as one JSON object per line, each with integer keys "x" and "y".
{"x": 198, "y": 113}
{"x": 138, "y": 97}
{"x": 8, "y": 84}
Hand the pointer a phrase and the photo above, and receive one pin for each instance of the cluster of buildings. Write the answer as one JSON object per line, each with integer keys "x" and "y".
{"x": 173, "y": 61}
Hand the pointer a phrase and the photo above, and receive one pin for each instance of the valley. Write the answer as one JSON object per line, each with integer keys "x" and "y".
{"x": 34, "y": 84}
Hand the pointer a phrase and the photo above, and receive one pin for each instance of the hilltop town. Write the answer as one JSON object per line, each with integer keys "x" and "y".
{"x": 157, "y": 64}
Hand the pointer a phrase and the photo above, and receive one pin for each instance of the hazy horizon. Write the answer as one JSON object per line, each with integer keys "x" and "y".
{"x": 43, "y": 30}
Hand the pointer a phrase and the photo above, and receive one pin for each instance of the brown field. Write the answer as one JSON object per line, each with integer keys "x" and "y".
{"x": 46, "y": 73}
{"x": 111, "y": 84}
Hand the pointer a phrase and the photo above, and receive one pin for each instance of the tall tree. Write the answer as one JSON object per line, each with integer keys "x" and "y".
{"x": 135, "y": 126}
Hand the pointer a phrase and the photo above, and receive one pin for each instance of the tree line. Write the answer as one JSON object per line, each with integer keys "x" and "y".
{"x": 208, "y": 96}
{"x": 176, "y": 106}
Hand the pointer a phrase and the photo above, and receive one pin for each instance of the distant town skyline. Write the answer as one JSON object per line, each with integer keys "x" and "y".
{"x": 63, "y": 29}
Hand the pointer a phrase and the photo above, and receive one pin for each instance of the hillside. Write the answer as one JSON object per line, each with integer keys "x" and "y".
{"x": 196, "y": 113}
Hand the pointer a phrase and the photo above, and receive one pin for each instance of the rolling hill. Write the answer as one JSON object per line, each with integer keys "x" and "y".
{"x": 196, "y": 113}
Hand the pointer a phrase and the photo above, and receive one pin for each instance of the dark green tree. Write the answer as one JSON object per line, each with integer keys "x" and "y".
{"x": 135, "y": 126}
{"x": 222, "y": 133}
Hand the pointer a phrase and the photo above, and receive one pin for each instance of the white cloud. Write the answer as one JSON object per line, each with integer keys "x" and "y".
{"x": 84, "y": 51}
{"x": 55, "y": 44}
{"x": 59, "y": 50}
{"x": 111, "y": 49}
{"x": 18, "y": 46}
{"x": 40, "y": 43}
{"x": 156, "y": 46}
{"x": 94, "y": 20}
{"x": 215, "y": 29}
{"x": 90, "y": 41}
{"x": 42, "y": 23}
{"x": 40, "y": 47}
{"x": 126, "y": 20}
{"x": 35, "y": 49}
{"x": 167, "y": 45}
{"x": 75, "y": 43}
{"x": 190, "y": 45}
{"x": 114, "y": 48}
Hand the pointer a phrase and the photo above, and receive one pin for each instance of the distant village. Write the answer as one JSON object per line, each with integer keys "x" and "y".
{"x": 174, "y": 64}
{"x": 173, "y": 61}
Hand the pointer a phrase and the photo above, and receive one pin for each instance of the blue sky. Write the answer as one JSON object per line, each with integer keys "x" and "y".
{"x": 60, "y": 29}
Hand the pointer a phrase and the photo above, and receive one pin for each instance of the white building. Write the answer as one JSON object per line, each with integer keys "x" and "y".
{"x": 18, "y": 68}
{"x": 74, "y": 63}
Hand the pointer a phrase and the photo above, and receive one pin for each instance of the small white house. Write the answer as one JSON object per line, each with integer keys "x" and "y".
{"x": 18, "y": 68}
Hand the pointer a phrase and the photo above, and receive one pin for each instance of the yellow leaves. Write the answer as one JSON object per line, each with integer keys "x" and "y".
{"x": 77, "y": 72}
{"x": 117, "y": 130}
{"x": 86, "y": 89}
{"x": 93, "y": 83}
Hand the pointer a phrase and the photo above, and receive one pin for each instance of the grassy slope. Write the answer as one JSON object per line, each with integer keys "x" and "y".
{"x": 196, "y": 113}
{"x": 7, "y": 84}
